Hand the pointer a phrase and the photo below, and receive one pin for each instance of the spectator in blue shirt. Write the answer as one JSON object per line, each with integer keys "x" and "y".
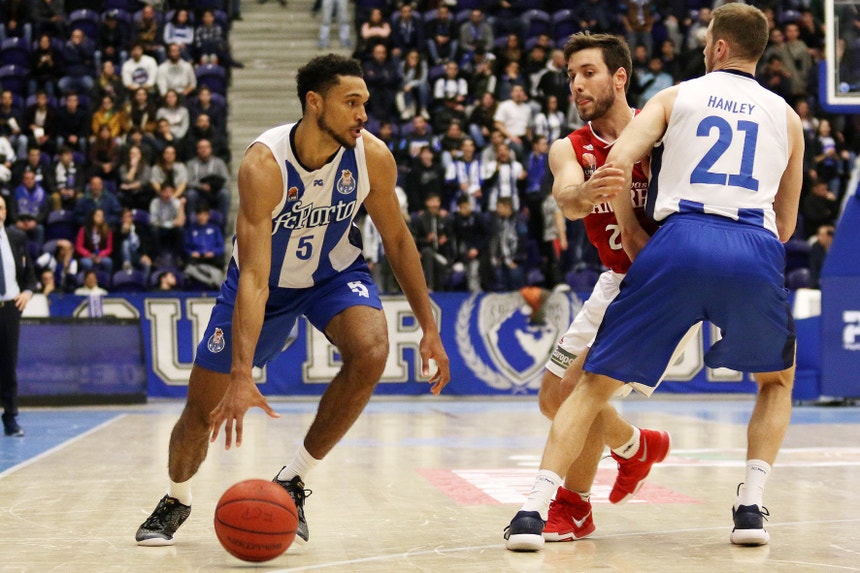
{"x": 31, "y": 202}
{"x": 204, "y": 249}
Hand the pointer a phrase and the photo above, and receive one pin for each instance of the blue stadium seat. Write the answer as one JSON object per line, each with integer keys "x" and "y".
{"x": 123, "y": 20}
{"x": 61, "y": 225}
{"x": 15, "y": 51}
{"x": 582, "y": 280}
{"x": 526, "y": 5}
{"x": 470, "y": 4}
{"x": 200, "y": 5}
{"x": 216, "y": 218}
{"x": 156, "y": 275}
{"x": 14, "y": 79}
{"x": 796, "y": 254}
{"x": 129, "y": 6}
{"x": 434, "y": 73}
{"x": 130, "y": 280}
{"x": 87, "y": 21}
{"x": 140, "y": 217}
{"x": 564, "y": 24}
{"x": 31, "y": 100}
{"x": 531, "y": 42}
{"x": 213, "y": 76}
{"x": 798, "y": 278}
{"x": 103, "y": 277}
{"x": 172, "y": 13}
{"x": 537, "y": 22}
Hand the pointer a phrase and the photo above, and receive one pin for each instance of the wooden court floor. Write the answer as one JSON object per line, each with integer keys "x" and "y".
{"x": 428, "y": 485}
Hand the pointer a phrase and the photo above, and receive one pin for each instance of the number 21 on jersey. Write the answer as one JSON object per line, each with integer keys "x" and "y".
{"x": 703, "y": 172}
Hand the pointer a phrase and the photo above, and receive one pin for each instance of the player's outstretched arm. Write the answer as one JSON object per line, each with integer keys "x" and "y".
{"x": 576, "y": 196}
{"x": 260, "y": 189}
{"x": 384, "y": 211}
{"x": 634, "y": 143}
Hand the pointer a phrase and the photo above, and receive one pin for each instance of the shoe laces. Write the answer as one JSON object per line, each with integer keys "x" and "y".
{"x": 156, "y": 520}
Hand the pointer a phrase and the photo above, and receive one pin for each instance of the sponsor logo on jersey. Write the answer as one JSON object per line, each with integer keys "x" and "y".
{"x": 306, "y": 216}
{"x": 216, "y": 343}
{"x": 292, "y": 194}
{"x": 346, "y": 183}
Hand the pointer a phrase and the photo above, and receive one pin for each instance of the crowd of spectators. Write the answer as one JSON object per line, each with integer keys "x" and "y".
{"x": 114, "y": 153}
{"x": 469, "y": 95}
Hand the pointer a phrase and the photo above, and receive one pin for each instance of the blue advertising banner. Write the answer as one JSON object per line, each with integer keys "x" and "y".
{"x": 493, "y": 348}
{"x": 840, "y": 306}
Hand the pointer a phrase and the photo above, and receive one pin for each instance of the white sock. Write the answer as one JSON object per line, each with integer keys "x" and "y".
{"x": 545, "y": 485}
{"x": 301, "y": 465}
{"x": 584, "y": 496}
{"x": 752, "y": 490}
{"x": 630, "y": 447}
{"x": 181, "y": 491}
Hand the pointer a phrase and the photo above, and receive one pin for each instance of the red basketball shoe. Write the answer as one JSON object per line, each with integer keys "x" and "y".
{"x": 653, "y": 447}
{"x": 569, "y": 517}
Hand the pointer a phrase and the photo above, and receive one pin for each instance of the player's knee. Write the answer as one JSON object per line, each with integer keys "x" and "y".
{"x": 367, "y": 362}
{"x": 194, "y": 419}
{"x": 547, "y": 402}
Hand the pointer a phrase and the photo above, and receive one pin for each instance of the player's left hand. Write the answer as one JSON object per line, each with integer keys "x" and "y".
{"x": 431, "y": 348}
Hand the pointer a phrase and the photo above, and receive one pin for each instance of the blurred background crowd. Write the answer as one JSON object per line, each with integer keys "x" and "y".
{"x": 114, "y": 141}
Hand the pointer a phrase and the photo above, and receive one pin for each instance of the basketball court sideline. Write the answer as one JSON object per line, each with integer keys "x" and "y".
{"x": 428, "y": 485}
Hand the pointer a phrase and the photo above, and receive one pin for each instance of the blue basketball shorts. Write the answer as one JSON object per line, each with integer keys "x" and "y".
{"x": 699, "y": 267}
{"x": 319, "y": 303}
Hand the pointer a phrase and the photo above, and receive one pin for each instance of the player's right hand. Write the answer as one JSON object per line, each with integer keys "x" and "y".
{"x": 604, "y": 184}
{"x": 230, "y": 411}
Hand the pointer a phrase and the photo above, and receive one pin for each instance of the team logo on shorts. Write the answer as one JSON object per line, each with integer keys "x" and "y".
{"x": 346, "y": 183}
{"x": 292, "y": 194}
{"x": 216, "y": 343}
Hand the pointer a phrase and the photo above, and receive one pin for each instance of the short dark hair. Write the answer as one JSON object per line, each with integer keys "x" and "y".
{"x": 323, "y": 73}
{"x": 616, "y": 52}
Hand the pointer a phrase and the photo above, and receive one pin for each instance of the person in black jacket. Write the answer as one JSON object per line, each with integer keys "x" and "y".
{"x": 471, "y": 232}
{"x": 17, "y": 283}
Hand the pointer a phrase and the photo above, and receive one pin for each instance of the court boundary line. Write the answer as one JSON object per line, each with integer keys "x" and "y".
{"x": 501, "y": 546}
{"x": 59, "y": 446}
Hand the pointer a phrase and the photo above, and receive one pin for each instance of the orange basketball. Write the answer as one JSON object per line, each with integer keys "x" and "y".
{"x": 256, "y": 520}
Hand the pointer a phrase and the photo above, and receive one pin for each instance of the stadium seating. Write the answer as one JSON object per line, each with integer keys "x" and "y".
{"x": 103, "y": 277}
{"x": 563, "y": 25}
{"x": 61, "y": 225}
{"x": 537, "y": 22}
{"x": 129, "y": 280}
{"x": 14, "y": 78}
{"x": 796, "y": 254}
{"x": 15, "y": 51}
{"x": 87, "y": 21}
{"x": 213, "y": 76}
{"x": 582, "y": 280}
{"x": 129, "y": 6}
{"x": 798, "y": 278}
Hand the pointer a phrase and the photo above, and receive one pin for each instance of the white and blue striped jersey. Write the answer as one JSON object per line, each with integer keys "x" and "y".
{"x": 724, "y": 151}
{"x": 313, "y": 236}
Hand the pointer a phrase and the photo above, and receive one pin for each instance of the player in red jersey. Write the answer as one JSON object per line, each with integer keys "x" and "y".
{"x": 599, "y": 67}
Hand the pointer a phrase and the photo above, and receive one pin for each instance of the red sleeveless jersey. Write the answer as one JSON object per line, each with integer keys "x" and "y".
{"x": 601, "y": 224}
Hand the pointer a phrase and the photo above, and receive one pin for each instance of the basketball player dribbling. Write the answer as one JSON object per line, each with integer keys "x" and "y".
{"x": 296, "y": 253}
